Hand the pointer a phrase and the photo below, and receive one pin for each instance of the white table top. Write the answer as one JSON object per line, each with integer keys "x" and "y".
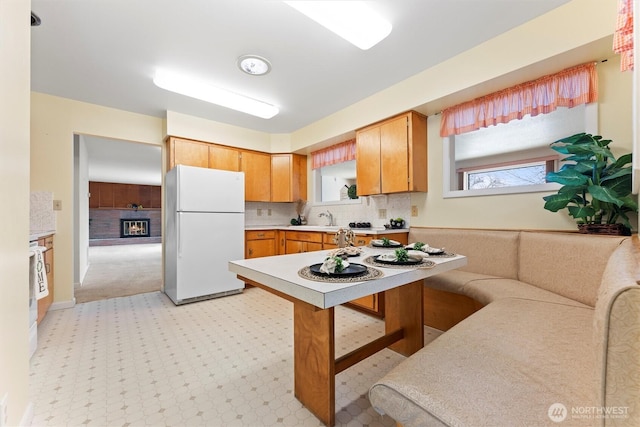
{"x": 280, "y": 273}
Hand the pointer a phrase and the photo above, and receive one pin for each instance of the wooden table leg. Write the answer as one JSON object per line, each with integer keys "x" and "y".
{"x": 314, "y": 360}
{"x": 403, "y": 309}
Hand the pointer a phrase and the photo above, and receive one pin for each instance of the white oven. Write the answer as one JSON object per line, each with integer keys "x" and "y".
{"x": 33, "y": 303}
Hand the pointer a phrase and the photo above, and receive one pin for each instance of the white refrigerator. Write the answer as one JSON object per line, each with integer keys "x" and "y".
{"x": 204, "y": 230}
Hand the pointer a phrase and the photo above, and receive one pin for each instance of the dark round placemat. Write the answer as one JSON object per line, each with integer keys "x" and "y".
{"x": 370, "y": 274}
{"x": 424, "y": 264}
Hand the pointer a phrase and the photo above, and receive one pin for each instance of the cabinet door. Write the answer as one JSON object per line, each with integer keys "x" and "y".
{"x": 288, "y": 177}
{"x": 156, "y": 196}
{"x": 368, "y": 161}
{"x": 106, "y": 195}
{"x": 144, "y": 195}
{"x": 121, "y": 195}
{"x": 294, "y": 247}
{"x": 369, "y": 302}
{"x": 281, "y": 178}
{"x": 190, "y": 153}
{"x": 224, "y": 158}
{"x": 363, "y": 240}
{"x": 260, "y": 248}
{"x": 94, "y": 195}
{"x": 257, "y": 176}
{"x": 394, "y": 156}
{"x": 313, "y": 246}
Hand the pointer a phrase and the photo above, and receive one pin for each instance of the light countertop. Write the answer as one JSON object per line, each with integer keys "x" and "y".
{"x": 280, "y": 273}
{"x": 327, "y": 229}
{"x": 35, "y": 235}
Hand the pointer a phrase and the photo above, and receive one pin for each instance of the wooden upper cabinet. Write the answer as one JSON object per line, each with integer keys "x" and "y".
{"x": 225, "y": 158}
{"x": 186, "y": 152}
{"x": 394, "y": 156}
{"x": 156, "y": 196}
{"x": 401, "y": 162}
{"x": 107, "y": 195}
{"x": 94, "y": 195}
{"x": 288, "y": 177}
{"x": 257, "y": 176}
{"x": 268, "y": 177}
{"x": 368, "y": 161}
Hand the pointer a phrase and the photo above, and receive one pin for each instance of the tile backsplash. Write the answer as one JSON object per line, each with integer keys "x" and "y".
{"x": 368, "y": 209}
{"x": 41, "y": 214}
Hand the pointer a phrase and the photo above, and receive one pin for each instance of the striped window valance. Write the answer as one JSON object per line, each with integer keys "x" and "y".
{"x": 568, "y": 88}
{"x": 338, "y": 153}
{"x": 623, "y": 36}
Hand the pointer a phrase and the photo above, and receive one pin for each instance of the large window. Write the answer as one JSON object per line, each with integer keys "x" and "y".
{"x": 511, "y": 157}
{"x": 512, "y": 175}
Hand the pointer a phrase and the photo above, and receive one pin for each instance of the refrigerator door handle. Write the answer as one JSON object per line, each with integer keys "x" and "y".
{"x": 179, "y": 239}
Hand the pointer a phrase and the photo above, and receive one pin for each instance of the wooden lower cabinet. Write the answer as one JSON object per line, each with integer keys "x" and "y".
{"x": 302, "y": 241}
{"x": 260, "y": 243}
{"x": 45, "y": 303}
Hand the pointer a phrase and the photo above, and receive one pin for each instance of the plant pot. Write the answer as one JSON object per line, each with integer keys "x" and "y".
{"x": 604, "y": 229}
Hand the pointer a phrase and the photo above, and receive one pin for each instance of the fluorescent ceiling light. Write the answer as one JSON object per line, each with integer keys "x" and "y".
{"x": 354, "y": 21}
{"x": 201, "y": 90}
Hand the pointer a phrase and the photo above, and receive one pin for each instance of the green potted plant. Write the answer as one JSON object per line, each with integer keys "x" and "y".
{"x": 596, "y": 187}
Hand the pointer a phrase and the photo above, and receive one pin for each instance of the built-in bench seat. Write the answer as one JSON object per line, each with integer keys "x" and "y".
{"x": 556, "y": 321}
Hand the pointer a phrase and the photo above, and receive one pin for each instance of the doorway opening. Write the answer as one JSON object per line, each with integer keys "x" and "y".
{"x": 117, "y": 218}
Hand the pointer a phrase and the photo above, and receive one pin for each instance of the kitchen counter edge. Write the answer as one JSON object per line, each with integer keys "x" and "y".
{"x": 35, "y": 235}
{"x": 371, "y": 231}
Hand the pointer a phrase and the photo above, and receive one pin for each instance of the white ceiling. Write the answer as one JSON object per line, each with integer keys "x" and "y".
{"x": 106, "y": 52}
{"x": 112, "y": 160}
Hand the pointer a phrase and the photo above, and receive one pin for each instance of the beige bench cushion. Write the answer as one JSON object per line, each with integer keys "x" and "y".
{"x": 488, "y": 290}
{"x": 561, "y": 262}
{"x": 503, "y": 366}
{"x": 490, "y": 252}
{"x": 454, "y": 280}
{"x": 616, "y": 334}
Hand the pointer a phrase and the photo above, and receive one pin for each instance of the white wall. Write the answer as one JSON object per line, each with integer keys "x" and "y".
{"x": 81, "y": 210}
{"x": 15, "y": 39}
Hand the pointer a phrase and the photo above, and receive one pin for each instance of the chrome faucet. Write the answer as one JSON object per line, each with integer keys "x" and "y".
{"x": 329, "y": 216}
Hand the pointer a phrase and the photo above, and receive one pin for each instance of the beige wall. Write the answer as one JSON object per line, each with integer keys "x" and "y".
{"x": 14, "y": 188}
{"x": 54, "y": 121}
{"x": 523, "y": 211}
{"x": 507, "y": 59}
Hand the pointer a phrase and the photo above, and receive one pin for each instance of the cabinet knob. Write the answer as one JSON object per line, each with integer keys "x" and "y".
{"x": 47, "y": 268}
{"x": 250, "y": 252}
{"x": 260, "y": 234}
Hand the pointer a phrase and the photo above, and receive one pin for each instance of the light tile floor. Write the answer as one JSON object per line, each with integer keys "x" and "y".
{"x": 141, "y": 361}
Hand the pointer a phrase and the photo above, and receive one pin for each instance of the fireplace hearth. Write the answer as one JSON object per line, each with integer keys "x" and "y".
{"x": 135, "y": 227}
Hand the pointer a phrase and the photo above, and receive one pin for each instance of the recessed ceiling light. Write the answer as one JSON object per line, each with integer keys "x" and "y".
{"x": 354, "y": 21}
{"x": 204, "y": 91}
{"x": 254, "y": 65}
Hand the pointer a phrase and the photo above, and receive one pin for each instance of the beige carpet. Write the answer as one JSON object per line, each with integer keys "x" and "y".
{"x": 117, "y": 271}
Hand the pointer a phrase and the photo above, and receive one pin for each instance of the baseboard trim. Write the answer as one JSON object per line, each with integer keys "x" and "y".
{"x": 61, "y": 305}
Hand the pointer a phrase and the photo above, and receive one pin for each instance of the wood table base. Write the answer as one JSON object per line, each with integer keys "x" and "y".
{"x": 404, "y": 311}
{"x": 315, "y": 364}
{"x": 314, "y": 360}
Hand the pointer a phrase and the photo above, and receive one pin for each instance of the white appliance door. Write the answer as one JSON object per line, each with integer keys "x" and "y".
{"x": 206, "y": 243}
{"x": 209, "y": 190}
